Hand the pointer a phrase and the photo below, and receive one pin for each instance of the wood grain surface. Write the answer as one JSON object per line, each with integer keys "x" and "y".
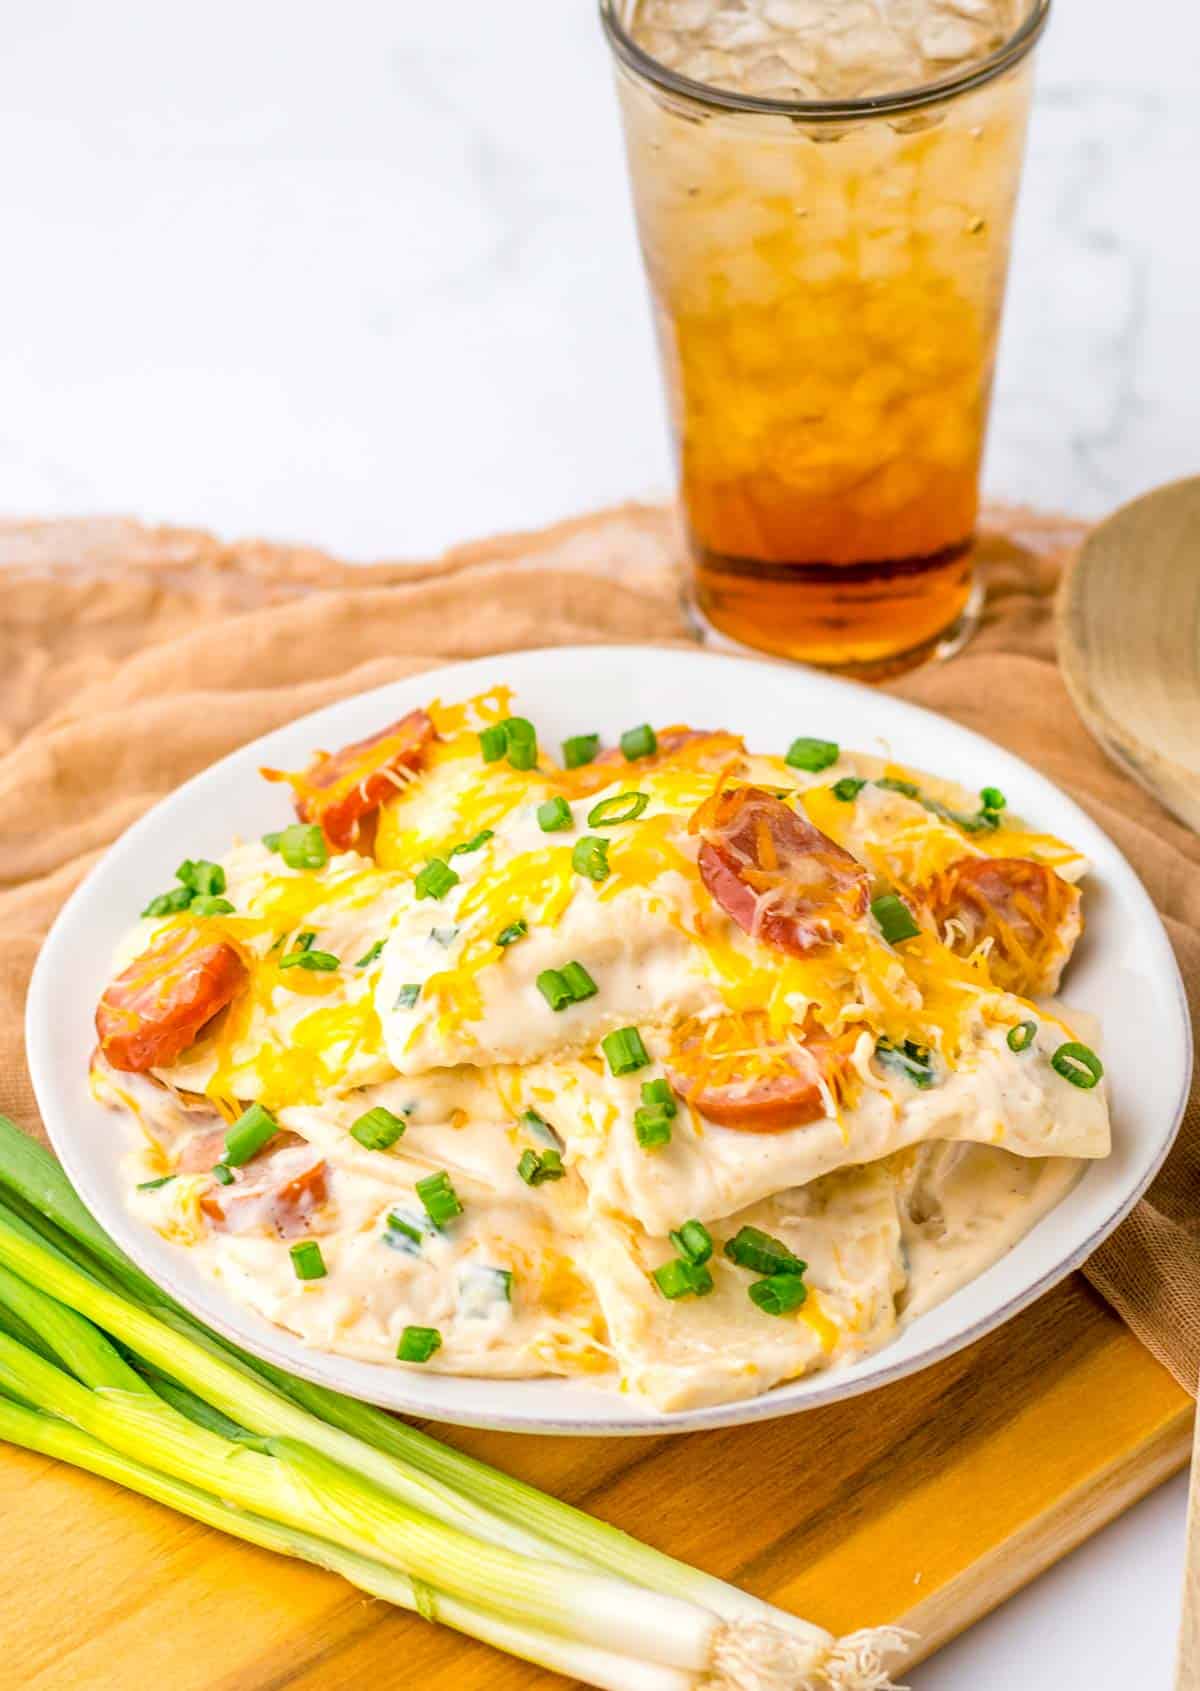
{"x": 928, "y": 1502}
{"x": 1129, "y": 641}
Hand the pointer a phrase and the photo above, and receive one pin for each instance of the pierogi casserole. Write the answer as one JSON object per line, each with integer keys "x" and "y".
{"x": 669, "y": 1063}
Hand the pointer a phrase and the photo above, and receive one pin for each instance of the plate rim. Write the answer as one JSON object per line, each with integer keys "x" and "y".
{"x": 829, "y": 1386}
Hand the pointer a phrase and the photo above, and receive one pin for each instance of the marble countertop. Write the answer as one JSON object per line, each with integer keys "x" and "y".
{"x": 373, "y": 284}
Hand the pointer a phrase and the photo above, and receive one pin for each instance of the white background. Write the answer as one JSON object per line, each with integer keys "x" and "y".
{"x": 364, "y": 275}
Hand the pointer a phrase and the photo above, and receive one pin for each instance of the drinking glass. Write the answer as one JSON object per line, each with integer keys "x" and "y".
{"x": 827, "y": 279}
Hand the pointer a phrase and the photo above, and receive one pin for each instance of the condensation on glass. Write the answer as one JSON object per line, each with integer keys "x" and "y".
{"x": 824, "y": 192}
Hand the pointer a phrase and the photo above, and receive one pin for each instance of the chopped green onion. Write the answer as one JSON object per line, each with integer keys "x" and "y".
{"x": 493, "y": 742}
{"x": 222, "y": 1174}
{"x": 248, "y": 1135}
{"x": 412, "y": 1228}
{"x": 208, "y": 904}
{"x": 304, "y": 941}
{"x": 302, "y": 846}
{"x": 445, "y": 937}
{"x": 569, "y": 985}
{"x": 621, "y": 807}
{"x": 580, "y": 749}
{"x": 680, "y": 1279}
{"x": 169, "y": 903}
{"x": 271, "y": 841}
{"x": 812, "y": 755}
{"x": 779, "y": 1294}
{"x": 436, "y": 879}
{"x": 657, "y": 1095}
{"x": 439, "y": 1198}
{"x": 369, "y": 957}
{"x": 913, "y": 1061}
{"x": 316, "y": 962}
{"x": 1022, "y": 1036}
{"x": 514, "y": 931}
{"x": 378, "y": 1129}
{"x": 481, "y": 839}
{"x": 751, "y": 1248}
{"x": 522, "y": 743}
{"x": 554, "y": 989}
{"x": 991, "y": 798}
{"x": 590, "y": 857}
{"x": 892, "y": 784}
{"x": 307, "y": 1260}
{"x": 579, "y": 983}
{"x": 984, "y": 819}
{"x": 554, "y": 815}
{"x": 639, "y": 742}
{"x": 693, "y": 1241}
{"x": 201, "y": 876}
{"x": 625, "y": 1051}
{"x": 1079, "y": 1064}
{"x": 407, "y": 996}
{"x": 653, "y": 1128}
{"x": 153, "y": 1185}
{"x": 848, "y": 788}
{"x": 895, "y": 918}
{"x": 418, "y": 1344}
{"x": 541, "y": 1129}
{"x": 536, "y": 1167}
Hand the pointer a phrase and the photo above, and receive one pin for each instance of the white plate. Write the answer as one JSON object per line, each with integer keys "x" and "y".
{"x": 1124, "y": 972}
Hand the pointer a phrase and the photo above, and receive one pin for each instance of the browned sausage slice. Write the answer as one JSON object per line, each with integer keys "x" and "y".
{"x": 339, "y": 790}
{"x": 1030, "y": 914}
{"x": 153, "y": 1011}
{"x": 777, "y": 875}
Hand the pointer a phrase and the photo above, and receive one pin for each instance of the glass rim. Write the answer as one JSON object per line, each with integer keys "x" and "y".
{"x": 650, "y": 69}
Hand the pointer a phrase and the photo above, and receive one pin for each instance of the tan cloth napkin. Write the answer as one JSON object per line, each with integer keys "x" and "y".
{"x": 131, "y": 658}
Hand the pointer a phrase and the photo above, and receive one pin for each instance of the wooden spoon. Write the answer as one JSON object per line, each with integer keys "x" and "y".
{"x": 1129, "y": 641}
{"x": 1129, "y": 648}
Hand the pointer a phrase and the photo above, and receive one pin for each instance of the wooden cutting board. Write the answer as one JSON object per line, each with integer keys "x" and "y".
{"x": 926, "y": 1503}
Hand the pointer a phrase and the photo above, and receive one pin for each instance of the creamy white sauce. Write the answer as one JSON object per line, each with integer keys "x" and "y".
{"x": 894, "y": 1198}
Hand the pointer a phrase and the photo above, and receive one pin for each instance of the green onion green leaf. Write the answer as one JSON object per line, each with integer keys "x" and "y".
{"x": 537, "y": 1167}
{"x": 440, "y": 1200}
{"x": 436, "y": 879}
{"x": 625, "y": 1051}
{"x": 590, "y": 857}
{"x": 751, "y": 1248}
{"x": 848, "y": 788}
{"x": 307, "y": 1260}
{"x": 913, "y": 1061}
{"x": 169, "y": 903}
{"x": 639, "y": 742}
{"x": 894, "y": 918}
{"x": 514, "y": 931}
{"x": 693, "y": 1241}
{"x": 779, "y": 1294}
{"x": 369, "y": 957}
{"x": 248, "y": 1135}
{"x": 622, "y": 807}
{"x": 378, "y": 1129}
{"x": 580, "y": 749}
{"x": 554, "y": 815}
{"x": 681, "y": 1279}
{"x": 1079, "y": 1064}
{"x": 522, "y": 743}
{"x": 1021, "y": 1037}
{"x": 418, "y": 1344}
{"x": 465, "y": 846}
{"x": 493, "y": 742}
{"x": 812, "y": 755}
{"x": 302, "y": 846}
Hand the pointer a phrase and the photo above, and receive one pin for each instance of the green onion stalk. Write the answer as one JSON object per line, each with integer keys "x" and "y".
{"x": 183, "y": 1417}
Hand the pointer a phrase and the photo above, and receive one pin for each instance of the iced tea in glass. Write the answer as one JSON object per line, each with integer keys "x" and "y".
{"x": 824, "y": 192}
